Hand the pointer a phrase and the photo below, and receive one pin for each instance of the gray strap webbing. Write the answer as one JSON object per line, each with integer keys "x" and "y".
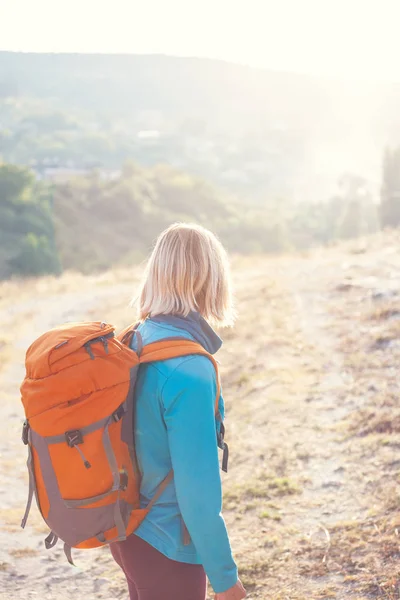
{"x": 59, "y": 439}
{"x": 112, "y": 461}
{"x": 68, "y": 554}
{"x": 31, "y": 491}
{"x": 119, "y": 521}
{"x": 51, "y": 540}
{"x": 139, "y": 342}
{"x": 87, "y": 501}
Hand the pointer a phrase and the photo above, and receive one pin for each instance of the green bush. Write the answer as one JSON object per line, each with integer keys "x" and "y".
{"x": 27, "y": 240}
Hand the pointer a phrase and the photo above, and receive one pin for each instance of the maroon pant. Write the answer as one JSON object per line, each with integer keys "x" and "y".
{"x": 153, "y": 576}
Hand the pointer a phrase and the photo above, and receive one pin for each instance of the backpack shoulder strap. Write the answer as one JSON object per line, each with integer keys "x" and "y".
{"x": 125, "y": 336}
{"x": 175, "y": 347}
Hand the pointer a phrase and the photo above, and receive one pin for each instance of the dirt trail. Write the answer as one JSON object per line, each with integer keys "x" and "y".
{"x": 331, "y": 482}
{"x": 300, "y": 477}
{"x": 297, "y": 482}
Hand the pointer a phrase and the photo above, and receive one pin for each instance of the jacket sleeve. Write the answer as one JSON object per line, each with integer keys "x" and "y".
{"x": 189, "y": 400}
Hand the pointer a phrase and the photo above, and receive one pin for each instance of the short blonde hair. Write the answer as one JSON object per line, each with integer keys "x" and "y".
{"x": 188, "y": 270}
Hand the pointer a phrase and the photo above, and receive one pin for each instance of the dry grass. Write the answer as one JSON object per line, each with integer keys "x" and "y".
{"x": 365, "y": 555}
{"x": 23, "y": 552}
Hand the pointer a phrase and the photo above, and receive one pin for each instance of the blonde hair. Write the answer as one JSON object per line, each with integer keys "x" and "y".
{"x": 188, "y": 270}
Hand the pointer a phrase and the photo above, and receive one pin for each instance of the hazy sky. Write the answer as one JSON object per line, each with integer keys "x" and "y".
{"x": 352, "y": 38}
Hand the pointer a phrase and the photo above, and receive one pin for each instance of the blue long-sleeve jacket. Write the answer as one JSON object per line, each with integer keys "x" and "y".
{"x": 175, "y": 428}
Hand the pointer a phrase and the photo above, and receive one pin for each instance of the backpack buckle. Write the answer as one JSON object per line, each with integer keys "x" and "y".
{"x": 25, "y": 432}
{"x": 74, "y": 437}
{"x": 123, "y": 480}
{"x": 221, "y": 436}
{"x": 119, "y": 413}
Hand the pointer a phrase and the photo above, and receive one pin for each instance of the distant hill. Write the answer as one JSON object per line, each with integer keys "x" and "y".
{"x": 225, "y": 94}
{"x": 259, "y": 132}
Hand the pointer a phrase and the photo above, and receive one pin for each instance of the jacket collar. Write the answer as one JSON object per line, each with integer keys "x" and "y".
{"x": 197, "y": 326}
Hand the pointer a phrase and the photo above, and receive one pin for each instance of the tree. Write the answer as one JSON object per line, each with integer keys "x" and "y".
{"x": 27, "y": 241}
{"x": 14, "y": 181}
{"x": 357, "y": 216}
{"x": 390, "y": 193}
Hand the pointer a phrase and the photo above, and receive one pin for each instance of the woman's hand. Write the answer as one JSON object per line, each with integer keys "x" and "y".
{"x": 237, "y": 592}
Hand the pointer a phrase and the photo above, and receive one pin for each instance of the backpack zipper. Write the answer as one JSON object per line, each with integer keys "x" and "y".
{"x": 83, "y": 457}
{"x": 101, "y": 338}
{"x": 73, "y": 438}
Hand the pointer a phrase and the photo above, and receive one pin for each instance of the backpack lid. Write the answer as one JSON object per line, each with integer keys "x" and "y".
{"x": 59, "y": 342}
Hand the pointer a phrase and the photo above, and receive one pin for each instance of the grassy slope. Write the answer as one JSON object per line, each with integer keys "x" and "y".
{"x": 309, "y": 376}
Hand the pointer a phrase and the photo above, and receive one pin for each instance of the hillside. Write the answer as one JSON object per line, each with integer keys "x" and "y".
{"x": 90, "y": 222}
{"x": 262, "y": 134}
{"x": 313, "y": 422}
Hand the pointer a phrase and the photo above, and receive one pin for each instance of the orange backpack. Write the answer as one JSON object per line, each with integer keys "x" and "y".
{"x": 78, "y": 395}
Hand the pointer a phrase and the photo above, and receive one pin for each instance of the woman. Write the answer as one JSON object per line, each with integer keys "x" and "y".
{"x": 184, "y": 536}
